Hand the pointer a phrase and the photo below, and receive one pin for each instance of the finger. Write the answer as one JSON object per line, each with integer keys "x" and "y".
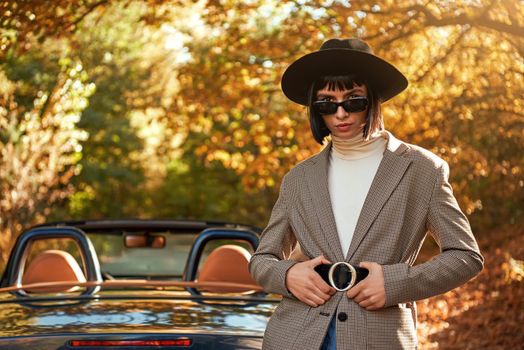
{"x": 316, "y": 300}
{"x": 325, "y": 260}
{"x": 308, "y": 302}
{"x": 378, "y": 304}
{"x": 305, "y": 299}
{"x": 355, "y": 290}
{"x": 372, "y": 306}
{"x": 367, "y": 302}
{"x": 318, "y": 260}
{"x": 321, "y": 284}
{"x": 366, "y": 264}
{"x": 363, "y": 295}
{"x": 319, "y": 293}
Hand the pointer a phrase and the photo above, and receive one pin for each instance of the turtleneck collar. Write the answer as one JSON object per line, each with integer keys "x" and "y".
{"x": 358, "y": 148}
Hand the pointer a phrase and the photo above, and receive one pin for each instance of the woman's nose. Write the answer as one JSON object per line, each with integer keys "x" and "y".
{"x": 341, "y": 113}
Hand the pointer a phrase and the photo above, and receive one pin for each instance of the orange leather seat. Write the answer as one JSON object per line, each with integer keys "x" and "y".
{"x": 53, "y": 266}
{"x": 227, "y": 263}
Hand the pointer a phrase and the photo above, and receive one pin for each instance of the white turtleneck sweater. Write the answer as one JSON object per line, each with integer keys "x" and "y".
{"x": 352, "y": 167}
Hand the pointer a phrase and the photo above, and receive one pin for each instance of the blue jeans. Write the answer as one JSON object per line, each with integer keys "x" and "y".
{"x": 330, "y": 340}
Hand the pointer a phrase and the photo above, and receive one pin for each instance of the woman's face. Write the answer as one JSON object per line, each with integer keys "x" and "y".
{"x": 341, "y": 123}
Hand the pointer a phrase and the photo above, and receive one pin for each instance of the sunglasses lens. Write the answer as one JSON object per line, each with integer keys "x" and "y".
{"x": 325, "y": 107}
{"x": 355, "y": 104}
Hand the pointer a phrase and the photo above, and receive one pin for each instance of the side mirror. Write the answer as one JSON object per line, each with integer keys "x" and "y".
{"x": 144, "y": 241}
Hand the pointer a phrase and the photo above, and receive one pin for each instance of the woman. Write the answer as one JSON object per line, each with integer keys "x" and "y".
{"x": 365, "y": 202}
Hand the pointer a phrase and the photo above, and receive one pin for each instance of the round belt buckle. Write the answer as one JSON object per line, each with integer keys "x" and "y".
{"x": 353, "y": 275}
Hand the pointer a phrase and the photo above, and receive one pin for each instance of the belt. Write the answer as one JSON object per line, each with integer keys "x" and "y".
{"x": 341, "y": 275}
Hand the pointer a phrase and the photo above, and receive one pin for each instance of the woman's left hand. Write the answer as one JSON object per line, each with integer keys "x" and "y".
{"x": 370, "y": 292}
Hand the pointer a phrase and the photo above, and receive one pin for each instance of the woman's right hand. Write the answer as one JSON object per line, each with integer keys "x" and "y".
{"x": 307, "y": 285}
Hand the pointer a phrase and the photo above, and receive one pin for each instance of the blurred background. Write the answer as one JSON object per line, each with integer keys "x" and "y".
{"x": 173, "y": 109}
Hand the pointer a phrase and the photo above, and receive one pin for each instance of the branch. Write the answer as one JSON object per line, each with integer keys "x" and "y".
{"x": 482, "y": 20}
{"x": 88, "y": 11}
{"x": 444, "y": 56}
{"x": 400, "y": 24}
{"x": 518, "y": 44}
{"x": 498, "y": 110}
{"x": 399, "y": 36}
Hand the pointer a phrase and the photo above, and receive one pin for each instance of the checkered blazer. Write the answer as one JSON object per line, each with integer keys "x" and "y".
{"x": 409, "y": 196}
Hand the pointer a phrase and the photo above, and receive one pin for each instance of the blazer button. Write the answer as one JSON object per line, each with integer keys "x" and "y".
{"x": 342, "y": 316}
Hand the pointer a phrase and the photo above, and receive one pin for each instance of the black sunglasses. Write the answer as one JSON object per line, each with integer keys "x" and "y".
{"x": 354, "y": 104}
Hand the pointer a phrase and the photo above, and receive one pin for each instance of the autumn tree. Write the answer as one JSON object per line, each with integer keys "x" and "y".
{"x": 159, "y": 108}
{"x": 188, "y": 92}
{"x": 464, "y": 63}
{"x": 39, "y": 141}
{"x": 26, "y": 24}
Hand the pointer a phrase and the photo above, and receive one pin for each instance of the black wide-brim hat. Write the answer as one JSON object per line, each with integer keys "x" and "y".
{"x": 342, "y": 57}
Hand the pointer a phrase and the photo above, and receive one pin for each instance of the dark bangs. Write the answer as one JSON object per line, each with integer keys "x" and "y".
{"x": 337, "y": 82}
{"x": 374, "y": 120}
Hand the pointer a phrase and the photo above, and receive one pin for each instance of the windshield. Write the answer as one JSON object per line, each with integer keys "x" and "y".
{"x": 119, "y": 261}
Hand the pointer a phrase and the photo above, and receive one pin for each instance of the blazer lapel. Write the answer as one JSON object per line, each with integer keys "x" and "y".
{"x": 317, "y": 181}
{"x": 389, "y": 173}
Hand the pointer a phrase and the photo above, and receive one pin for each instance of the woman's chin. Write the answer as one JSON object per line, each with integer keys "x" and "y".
{"x": 347, "y": 134}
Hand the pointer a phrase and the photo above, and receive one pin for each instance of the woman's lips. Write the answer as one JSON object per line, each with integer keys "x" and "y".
{"x": 343, "y": 126}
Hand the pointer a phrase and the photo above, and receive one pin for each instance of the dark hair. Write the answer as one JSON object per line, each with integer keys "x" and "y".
{"x": 319, "y": 129}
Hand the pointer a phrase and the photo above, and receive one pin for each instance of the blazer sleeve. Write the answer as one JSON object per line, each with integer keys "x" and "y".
{"x": 459, "y": 259}
{"x": 268, "y": 265}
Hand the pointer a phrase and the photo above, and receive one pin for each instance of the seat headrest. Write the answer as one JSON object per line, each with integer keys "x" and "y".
{"x": 52, "y": 266}
{"x": 227, "y": 263}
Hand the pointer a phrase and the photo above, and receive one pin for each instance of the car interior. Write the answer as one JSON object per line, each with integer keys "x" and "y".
{"x": 213, "y": 260}
{"x": 52, "y": 266}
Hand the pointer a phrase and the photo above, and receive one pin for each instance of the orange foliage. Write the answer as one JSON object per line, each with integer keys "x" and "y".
{"x": 464, "y": 61}
{"x": 464, "y": 102}
{"x": 23, "y": 21}
{"x": 487, "y": 312}
{"x": 39, "y": 148}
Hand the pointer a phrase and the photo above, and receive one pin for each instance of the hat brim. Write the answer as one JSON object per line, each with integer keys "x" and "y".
{"x": 385, "y": 80}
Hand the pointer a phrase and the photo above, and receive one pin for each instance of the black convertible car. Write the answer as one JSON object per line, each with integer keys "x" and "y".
{"x": 133, "y": 284}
